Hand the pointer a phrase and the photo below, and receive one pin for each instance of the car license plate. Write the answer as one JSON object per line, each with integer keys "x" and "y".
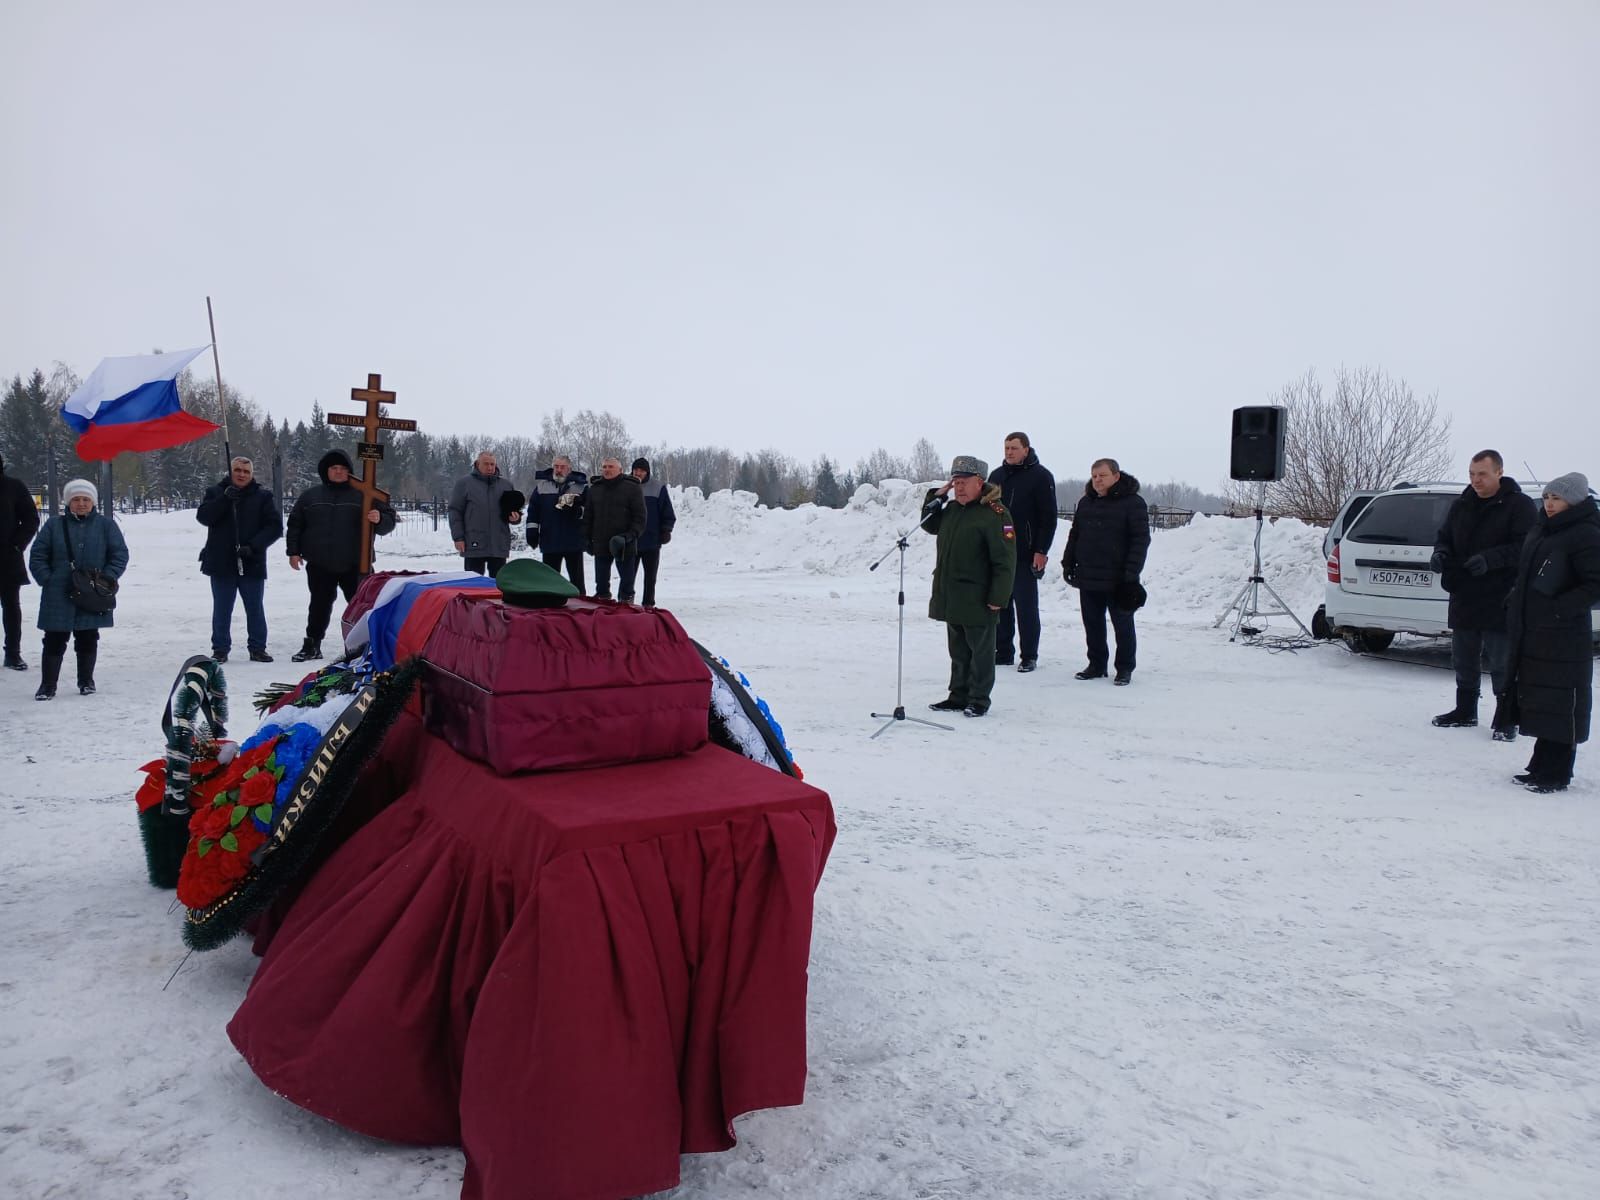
{"x": 1401, "y": 578}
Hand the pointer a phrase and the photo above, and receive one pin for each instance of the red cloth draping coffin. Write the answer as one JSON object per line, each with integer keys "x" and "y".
{"x": 576, "y": 977}
{"x": 527, "y": 689}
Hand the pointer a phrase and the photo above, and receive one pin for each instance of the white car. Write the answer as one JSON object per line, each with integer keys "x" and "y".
{"x": 1379, "y": 582}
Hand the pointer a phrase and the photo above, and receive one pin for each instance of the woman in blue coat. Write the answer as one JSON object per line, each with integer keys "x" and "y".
{"x": 79, "y": 537}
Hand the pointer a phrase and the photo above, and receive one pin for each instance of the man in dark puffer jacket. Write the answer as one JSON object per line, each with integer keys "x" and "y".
{"x": 324, "y": 533}
{"x": 1475, "y": 554}
{"x": 1028, "y": 491}
{"x": 1105, "y": 555}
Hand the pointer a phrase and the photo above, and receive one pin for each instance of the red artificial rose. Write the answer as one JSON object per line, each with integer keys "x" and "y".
{"x": 256, "y": 755}
{"x": 258, "y": 789}
{"x": 210, "y": 820}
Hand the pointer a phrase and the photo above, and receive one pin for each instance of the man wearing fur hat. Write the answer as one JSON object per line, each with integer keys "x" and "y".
{"x": 19, "y": 521}
{"x": 324, "y": 535}
{"x": 974, "y": 567}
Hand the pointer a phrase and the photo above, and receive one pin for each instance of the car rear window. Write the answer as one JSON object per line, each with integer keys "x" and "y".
{"x": 1402, "y": 519}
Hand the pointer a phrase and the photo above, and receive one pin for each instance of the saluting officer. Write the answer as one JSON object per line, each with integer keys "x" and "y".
{"x": 974, "y": 567}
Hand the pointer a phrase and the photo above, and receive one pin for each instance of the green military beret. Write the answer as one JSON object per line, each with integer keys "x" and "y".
{"x": 528, "y": 583}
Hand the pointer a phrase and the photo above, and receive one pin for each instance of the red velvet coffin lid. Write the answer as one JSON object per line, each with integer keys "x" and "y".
{"x": 544, "y": 689}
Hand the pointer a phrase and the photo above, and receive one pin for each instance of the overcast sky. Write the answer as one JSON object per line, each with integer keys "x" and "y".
{"x": 822, "y": 227}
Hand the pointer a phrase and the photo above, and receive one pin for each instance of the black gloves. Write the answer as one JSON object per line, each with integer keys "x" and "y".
{"x": 1477, "y": 565}
{"x": 245, "y": 553}
{"x": 666, "y": 536}
{"x": 1068, "y": 575}
{"x": 1439, "y": 561}
{"x": 1038, "y": 572}
{"x": 232, "y": 493}
{"x": 533, "y": 537}
{"x": 1129, "y": 595}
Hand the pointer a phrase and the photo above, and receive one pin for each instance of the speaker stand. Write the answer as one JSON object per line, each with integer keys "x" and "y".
{"x": 1247, "y": 603}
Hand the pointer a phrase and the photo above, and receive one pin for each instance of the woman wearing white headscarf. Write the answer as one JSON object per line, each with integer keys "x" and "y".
{"x": 79, "y": 537}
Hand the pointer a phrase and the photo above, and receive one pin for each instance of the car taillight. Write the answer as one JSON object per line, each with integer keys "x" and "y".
{"x": 1333, "y": 564}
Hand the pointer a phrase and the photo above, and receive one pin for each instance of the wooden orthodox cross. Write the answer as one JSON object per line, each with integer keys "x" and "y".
{"x": 370, "y": 452}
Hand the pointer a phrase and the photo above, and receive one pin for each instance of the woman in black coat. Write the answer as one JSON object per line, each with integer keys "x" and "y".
{"x": 1552, "y": 655}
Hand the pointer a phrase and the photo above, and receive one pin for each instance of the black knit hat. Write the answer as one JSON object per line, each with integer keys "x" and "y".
{"x": 641, "y": 463}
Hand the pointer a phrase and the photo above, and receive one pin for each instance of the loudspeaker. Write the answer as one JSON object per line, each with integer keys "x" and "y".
{"x": 1258, "y": 437}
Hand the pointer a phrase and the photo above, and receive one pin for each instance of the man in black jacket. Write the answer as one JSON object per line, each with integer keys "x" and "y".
{"x": 613, "y": 519}
{"x": 1028, "y": 491}
{"x": 1105, "y": 555}
{"x": 1475, "y": 554}
{"x": 324, "y": 533}
{"x": 242, "y": 520}
{"x": 19, "y": 521}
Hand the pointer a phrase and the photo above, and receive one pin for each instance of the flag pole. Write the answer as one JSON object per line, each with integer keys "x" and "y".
{"x": 227, "y": 450}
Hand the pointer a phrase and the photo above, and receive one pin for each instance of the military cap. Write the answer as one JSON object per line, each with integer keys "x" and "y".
{"x": 966, "y": 464}
{"x": 528, "y": 583}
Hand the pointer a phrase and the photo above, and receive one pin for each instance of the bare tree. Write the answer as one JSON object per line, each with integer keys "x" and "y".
{"x": 1370, "y": 433}
{"x": 926, "y": 465}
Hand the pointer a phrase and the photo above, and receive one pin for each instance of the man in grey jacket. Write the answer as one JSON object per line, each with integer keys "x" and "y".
{"x": 478, "y": 526}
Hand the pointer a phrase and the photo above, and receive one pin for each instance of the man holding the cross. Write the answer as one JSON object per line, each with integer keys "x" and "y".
{"x": 325, "y": 536}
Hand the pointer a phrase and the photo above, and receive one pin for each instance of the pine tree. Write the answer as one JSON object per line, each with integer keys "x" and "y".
{"x": 826, "y": 490}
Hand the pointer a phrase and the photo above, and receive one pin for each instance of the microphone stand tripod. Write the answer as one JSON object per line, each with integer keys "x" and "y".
{"x": 899, "y": 713}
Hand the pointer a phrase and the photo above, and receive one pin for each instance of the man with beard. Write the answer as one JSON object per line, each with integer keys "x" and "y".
{"x": 974, "y": 564}
{"x": 1105, "y": 554}
{"x": 242, "y": 520}
{"x": 1028, "y": 490}
{"x": 613, "y": 520}
{"x": 555, "y": 517}
{"x": 324, "y": 535}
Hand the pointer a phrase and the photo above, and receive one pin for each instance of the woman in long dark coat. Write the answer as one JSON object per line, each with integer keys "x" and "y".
{"x": 83, "y": 537}
{"x": 1552, "y": 654}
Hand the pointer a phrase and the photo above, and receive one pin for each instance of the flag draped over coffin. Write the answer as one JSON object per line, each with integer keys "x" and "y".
{"x": 132, "y": 404}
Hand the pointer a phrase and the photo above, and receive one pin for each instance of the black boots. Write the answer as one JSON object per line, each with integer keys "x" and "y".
{"x": 14, "y": 662}
{"x": 1464, "y": 715}
{"x": 49, "y": 673}
{"x": 307, "y": 652}
{"x": 1505, "y": 728}
{"x": 86, "y": 657}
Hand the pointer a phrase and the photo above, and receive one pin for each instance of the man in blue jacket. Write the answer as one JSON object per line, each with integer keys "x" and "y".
{"x": 1028, "y": 491}
{"x": 555, "y": 518}
{"x": 242, "y": 520}
{"x": 658, "y": 522}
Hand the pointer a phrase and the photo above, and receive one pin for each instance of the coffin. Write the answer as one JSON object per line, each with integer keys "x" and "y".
{"x": 549, "y": 689}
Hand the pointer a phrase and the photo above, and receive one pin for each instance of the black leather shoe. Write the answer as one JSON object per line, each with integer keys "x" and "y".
{"x": 1003, "y": 660}
{"x": 1524, "y": 779}
{"x": 1123, "y": 679}
{"x": 972, "y": 710}
{"x": 260, "y": 656}
{"x": 1545, "y": 786}
{"x": 948, "y": 705}
{"x": 220, "y": 656}
{"x": 1090, "y": 673}
{"x": 14, "y": 663}
{"x": 1026, "y": 665}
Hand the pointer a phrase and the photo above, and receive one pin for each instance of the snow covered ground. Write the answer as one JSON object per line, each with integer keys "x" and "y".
{"x": 1248, "y": 928}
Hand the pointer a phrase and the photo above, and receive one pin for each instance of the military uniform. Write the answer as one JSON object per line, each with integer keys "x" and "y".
{"x": 974, "y": 568}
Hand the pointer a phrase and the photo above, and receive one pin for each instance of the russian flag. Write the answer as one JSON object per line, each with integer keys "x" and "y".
{"x": 132, "y": 404}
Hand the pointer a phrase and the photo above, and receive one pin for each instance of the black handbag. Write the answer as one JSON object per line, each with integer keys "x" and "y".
{"x": 92, "y": 590}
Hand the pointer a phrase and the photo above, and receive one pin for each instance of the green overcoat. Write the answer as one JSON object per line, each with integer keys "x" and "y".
{"x": 976, "y": 560}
